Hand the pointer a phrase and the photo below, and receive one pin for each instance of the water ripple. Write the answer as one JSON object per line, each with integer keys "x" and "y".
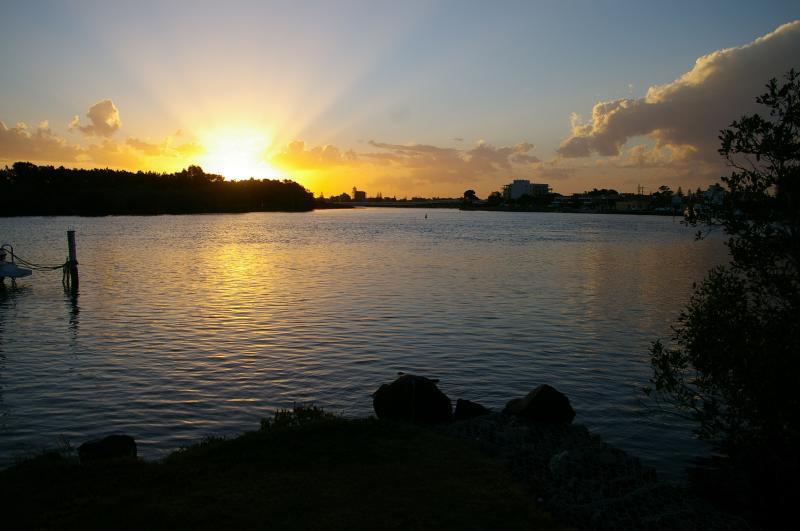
{"x": 188, "y": 326}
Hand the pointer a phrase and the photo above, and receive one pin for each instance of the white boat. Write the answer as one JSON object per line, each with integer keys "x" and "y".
{"x": 12, "y": 270}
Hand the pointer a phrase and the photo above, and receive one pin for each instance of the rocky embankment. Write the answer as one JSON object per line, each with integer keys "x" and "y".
{"x": 583, "y": 481}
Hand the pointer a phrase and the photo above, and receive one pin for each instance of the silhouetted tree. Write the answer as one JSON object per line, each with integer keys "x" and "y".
{"x": 734, "y": 361}
{"x": 28, "y": 189}
{"x": 469, "y": 196}
{"x": 663, "y": 197}
{"x": 601, "y": 192}
{"x": 494, "y": 199}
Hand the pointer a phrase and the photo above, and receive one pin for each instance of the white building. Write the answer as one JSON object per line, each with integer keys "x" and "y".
{"x": 520, "y": 187}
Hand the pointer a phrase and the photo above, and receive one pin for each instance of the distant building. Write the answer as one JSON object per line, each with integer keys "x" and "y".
{"x": 519, "y": 187}
{"x": 632, "y": 203}
{"x": 359, "y": 195}
{"x": 540, "y": 189}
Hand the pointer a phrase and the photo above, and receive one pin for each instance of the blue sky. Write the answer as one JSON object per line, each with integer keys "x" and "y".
{"x": 345, "y": 73}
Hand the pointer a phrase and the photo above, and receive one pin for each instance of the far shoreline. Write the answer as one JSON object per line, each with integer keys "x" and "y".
{"x": 342, "y": 207}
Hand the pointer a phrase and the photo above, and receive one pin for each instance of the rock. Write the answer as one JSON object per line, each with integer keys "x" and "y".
{"x": 543, "y": 404}
{"x": 412, "y": 398}
{"x": 111, "y": 447}
{"x": 466, "y": 410}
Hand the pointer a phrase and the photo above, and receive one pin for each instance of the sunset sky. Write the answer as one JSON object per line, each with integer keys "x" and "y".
{"x": 404, "y": 98}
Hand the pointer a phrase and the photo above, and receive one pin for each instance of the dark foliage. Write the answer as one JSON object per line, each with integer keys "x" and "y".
{"x": 494, "y": 199}
{"x": 733, "y": 363}
{"x": 594, "y": 192}
{"x": 303, "y": 470}
{"x": 29, "y": 190}
{"x": 527, "y": 201}
{"x": 297, "y": 417}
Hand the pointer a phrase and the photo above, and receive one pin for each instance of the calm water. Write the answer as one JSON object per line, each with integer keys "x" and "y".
{"x": 188, "y": 326}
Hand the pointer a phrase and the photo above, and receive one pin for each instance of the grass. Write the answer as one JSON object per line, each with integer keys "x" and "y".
{"x": 302, "y": 470}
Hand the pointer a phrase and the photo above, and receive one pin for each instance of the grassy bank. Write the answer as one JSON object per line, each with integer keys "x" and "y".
{"x": 317, "y": 473}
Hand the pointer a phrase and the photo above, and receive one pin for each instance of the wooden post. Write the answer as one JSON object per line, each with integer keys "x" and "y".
{"x": 73, "y": 261}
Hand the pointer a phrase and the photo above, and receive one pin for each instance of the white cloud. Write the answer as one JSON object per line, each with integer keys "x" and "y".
{"x": 687, "y": 114}
{"x": 103, "y": 117}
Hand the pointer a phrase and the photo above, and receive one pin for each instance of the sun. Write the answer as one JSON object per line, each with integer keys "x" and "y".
{"x": 238, "y": 152}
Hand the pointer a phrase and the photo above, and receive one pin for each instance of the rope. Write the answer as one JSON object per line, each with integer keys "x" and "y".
{"x": 37, "y": 267}
{"x": 33, "y": 266}
{"x": 15, "y": 258}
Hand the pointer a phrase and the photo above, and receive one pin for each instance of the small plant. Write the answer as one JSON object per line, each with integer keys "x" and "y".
{"x": 297, "y": 417}
{"x": 62, "y": 451}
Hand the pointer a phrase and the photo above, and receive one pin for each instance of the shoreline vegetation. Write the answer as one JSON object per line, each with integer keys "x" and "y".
{"x": 417, "y": 466}
{"x": 31, "y": 190}
{"x": 309, "y": 472}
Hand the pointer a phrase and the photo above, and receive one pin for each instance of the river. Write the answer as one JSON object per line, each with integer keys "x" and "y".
{"x": 190, "y": 326}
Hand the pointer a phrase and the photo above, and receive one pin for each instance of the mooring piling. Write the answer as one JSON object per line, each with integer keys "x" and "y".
{"x": 73, "y": 261}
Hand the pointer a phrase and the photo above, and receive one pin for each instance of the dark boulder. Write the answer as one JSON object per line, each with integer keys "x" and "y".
{"x": 111, "y": 447}
{"x": 414, "y": 399}
{"x": 543, "y": 404}
{"x": 466, "y": 410}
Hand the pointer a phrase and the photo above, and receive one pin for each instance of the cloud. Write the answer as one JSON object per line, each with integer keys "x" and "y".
{"x": 406, "y": 166}
{"x": 431, "y": 163}
{"x": 104, "y": 118}
{"x": 296, "y": 155}
{"x": 547, "y": 174}
{"x": 521, "y": 154}
{"x": 189, "y": 149}
{"x": 643, "y": 156}
{"x": 164, "y": 148}
{"x": 41, "y": 144}
{"x": 113, "y": 154}
{"x": 687, "y": 114}
{"x": 145, "y": 147}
